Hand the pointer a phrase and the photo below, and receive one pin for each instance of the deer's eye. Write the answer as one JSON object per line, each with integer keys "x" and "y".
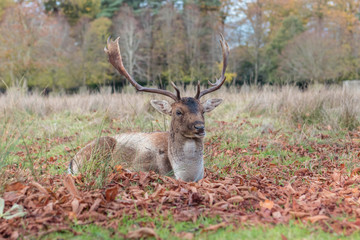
{"x": 178, "y": 113}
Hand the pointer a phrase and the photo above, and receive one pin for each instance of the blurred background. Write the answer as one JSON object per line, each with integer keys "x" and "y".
{"x": 57, "y": 45}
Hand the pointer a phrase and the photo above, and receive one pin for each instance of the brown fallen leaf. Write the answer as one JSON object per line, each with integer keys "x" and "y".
{"x": 301, "y": 171}
{"x": 39, "y": 187}
{"x": 15, "y": 235}
{"x": 236, "y": 199}
{"x": 95, "y": 205}
{"x": 314, "y": 219}
{"x": 289, "y": 188}
{"x": 142, "y": 233}
{"x": 299, "y": 214}
{"x": 277, "y": 215}
{"x": 261, "y": 195}
{"x": 110, "y": 193}
{"x": 336, "y": 176}
{"x": 16, "y": 186}
{"x": 70, "y": 186}
{"x": 75, "y": 206}
{"x": 283, "y": 237}
{"x": 327, "y": 194}
{"x": 214, "y": 227}
{"x": 267, "y": 204}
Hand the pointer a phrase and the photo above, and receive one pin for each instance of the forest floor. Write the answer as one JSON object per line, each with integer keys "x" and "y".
{"x": 268, "y": 175}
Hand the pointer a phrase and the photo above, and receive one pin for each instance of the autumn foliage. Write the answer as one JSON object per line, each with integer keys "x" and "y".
{"x": 58, "y": 45}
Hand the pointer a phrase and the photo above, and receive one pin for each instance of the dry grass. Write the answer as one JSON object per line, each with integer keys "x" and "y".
{"x": 318, "y": 105}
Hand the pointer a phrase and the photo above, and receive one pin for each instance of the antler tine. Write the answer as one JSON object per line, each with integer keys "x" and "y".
{"x": 198, "y": 90}
{"x": 176, "y": 89}
{"x": 219, "y": 82}
{"x": 113, "y": 52}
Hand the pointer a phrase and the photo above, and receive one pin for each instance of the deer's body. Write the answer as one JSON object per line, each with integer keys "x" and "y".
{"x": 149, "y": 152}
{"x": 179, "y": 151}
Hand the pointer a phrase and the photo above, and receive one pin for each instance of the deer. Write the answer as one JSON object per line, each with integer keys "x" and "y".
{"x": 177, "y": 152}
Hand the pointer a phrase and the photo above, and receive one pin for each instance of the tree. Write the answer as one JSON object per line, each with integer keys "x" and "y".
{"x": 5, "y": 4}
{"x": 127, "y": 26}
{"x": 290, "y": 27}
{"x": 168, "y": 45}
{"x": 36, "y": 48}
{"x": 192, "y": 21}
{"x": 74, "y": 9}
{"x": 96, "y": 66}
{"x": 109, "y": 7}
{"x": 313, "y": 57}
{"x": 256, "y": 23}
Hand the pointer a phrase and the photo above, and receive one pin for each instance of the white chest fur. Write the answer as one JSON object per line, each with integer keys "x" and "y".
{"x": 188, "y": 163}
{"x": 190, "y": 150}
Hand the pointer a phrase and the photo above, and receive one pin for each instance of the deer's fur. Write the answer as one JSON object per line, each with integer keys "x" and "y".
{"x": 178, "y": 152}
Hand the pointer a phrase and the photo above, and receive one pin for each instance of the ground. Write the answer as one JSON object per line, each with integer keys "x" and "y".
{"x": 279, "y": 164}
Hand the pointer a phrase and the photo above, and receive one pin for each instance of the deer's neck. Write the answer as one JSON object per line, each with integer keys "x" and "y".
{"x": 186, "y": 157}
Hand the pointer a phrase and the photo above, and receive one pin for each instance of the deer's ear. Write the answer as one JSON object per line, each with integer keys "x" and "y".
{"x": 162, "y": 106}
{"x": 210, "y": 104}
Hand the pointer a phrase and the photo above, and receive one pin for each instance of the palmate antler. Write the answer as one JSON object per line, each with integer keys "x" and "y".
{"x": 219, "y": 82}
{"x": 113, "y": 51}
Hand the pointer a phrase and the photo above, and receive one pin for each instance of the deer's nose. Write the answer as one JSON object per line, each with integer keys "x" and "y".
{"x": 199, "y": 127}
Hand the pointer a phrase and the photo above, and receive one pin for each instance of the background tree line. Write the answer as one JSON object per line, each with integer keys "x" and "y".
{"x": 58, "y": 44}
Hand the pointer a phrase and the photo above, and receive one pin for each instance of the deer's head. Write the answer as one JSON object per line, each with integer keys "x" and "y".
{"x": 187, "y": 112}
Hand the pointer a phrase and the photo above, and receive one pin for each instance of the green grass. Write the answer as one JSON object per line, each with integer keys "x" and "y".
{"x": 290, "y": 231}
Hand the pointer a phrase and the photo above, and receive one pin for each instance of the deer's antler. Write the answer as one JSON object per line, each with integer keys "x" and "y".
{"x": 113, "y": 51}
{"x": 219, "y": 82}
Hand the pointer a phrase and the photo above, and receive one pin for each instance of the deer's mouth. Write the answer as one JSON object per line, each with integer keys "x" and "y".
{"x": 200, "y": 134}
{"x": 196, "y": 135}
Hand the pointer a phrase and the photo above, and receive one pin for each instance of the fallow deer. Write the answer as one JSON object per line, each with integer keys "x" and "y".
{"x": 179, "y": 151}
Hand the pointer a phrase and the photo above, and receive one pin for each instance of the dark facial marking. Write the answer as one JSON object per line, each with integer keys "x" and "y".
{"x": 191, "y": 103}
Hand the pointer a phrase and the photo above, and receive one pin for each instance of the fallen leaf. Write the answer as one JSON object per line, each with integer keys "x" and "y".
{"x": 14, "y": 212}
{"x": 290, "y": 189}
{"x": 95, "y": 205}
{"x": 142, "y": 233}
{"x": 17, "y": 186}
{"x": 39, "y": 187}
{"x": 336, "y": 176}
{"x": 15, "y": 235}
{"x": 75, "y": 205}
{"x": 314, "y": 219}
{"x": 277, "y": 215}
{"x": 110, "y": 193}
{"x": 70, "y": 186}
{"x": 235, "y": 199}
{"x": 214, "y": 227}
{"x": 299, "y": 214}
{"x": 267, "y": 204}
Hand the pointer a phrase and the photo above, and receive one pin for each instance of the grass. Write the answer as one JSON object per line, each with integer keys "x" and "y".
{"x": 290, "y": 231}
{"x": 39, "y": 135}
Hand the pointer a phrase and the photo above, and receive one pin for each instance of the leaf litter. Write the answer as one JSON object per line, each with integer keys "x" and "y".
{"x": 319, "y": 196}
